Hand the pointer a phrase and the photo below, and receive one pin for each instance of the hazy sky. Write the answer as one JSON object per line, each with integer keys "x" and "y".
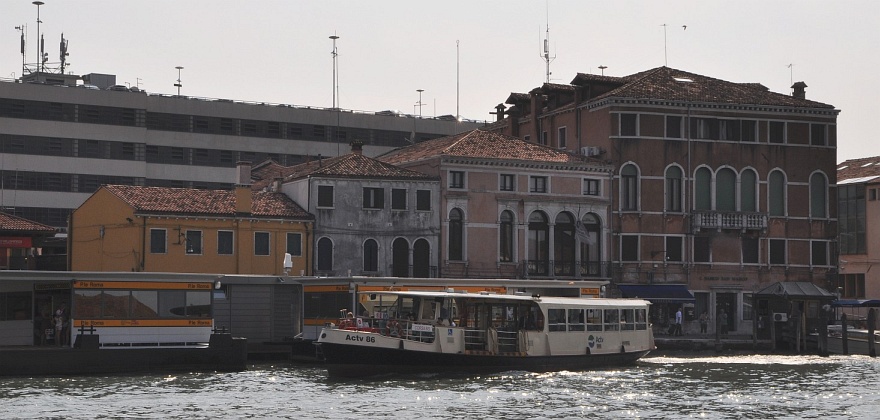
{"x": 279, "y": 51}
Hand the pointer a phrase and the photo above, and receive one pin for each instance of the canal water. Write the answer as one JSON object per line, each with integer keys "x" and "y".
{"x": 732, "y": 387}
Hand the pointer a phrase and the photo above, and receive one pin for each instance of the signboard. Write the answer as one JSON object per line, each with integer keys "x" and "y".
{"x": 131, "y": 285}
{"x": 15, "y": 242}
{"x": 423, "y": 328}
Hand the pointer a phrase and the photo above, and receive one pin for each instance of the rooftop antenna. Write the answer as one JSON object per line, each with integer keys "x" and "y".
{"x": 63, "y": 53}
{"x": 39, "y": 47}
{"x": 791, "y": 75}
{"x": 457, "y": 84}
{"x": 665, "y": 57}
{"x": 546, "y": 52}
{"x": 178, "y": 84}
{"x": 602, "y": 68}
{"x": 335, "y": 87}
{"x": 23, "y": 29}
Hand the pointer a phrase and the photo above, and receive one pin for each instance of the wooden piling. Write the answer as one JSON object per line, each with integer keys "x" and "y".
{"x": 844, "y": 336}
{"x": 872, "y": 319}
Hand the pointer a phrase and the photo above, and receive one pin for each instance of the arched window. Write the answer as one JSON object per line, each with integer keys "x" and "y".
{"x": 777, "y": 193}
{"x": 421, "y": 259}
{"x": 725, "y": 190}
{"x": 818, "y": 195}
{"x": 563, "y": 245}
{"x": 371, "y": 255}
{"x": 591, "y": 252}
{"x": 629, "y": 188}
{"x": 505, "y": 236}
{"x": 703, "y": 189}
{"x": 325, "y": 254}
{"x": 748, "y": 190}
{"x": 456, "y": 235}
{"x": 673, "y": 189}
{"x": 539, "y": 251}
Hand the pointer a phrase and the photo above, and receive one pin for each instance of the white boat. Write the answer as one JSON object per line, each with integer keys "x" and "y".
{"x": 420, "y": 331}
{"x": 857, "y": 340}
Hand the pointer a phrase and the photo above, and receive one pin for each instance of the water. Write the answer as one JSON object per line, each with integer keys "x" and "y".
{"x": 658, "y": 387}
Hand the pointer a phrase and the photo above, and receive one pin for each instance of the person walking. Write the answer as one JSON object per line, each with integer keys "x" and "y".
{"x": 678, "y": 322}
{"x": 704, "y": 322}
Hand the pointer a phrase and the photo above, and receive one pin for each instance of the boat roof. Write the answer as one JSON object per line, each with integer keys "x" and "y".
{"x": 856, "y": 303}
{"x": 524, "y": 298}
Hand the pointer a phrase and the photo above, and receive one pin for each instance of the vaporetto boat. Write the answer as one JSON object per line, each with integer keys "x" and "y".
{"x": 422, "y": 331}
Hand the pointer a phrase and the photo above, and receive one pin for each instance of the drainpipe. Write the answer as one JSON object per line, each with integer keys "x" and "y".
{"x": 144, "y": 244}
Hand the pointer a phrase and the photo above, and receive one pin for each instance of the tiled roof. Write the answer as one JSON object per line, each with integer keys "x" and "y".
{"x": 9, "y": 222}
{"x": 188, "y": 201}
{"x": 547, "y": 87}
{"x": 854, "y": 169}
{"x": 268, "y": 169}
{"x": 516, "y": 98}
{"x": 484, "y": 145}
{"x": 353, "y": 165}
{"x": 595, "y": 78}
{"x": 660, "y": 83}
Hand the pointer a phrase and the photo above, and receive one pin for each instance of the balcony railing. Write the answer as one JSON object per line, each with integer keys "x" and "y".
{"x": 575, "y": 269}
{"x": 737, "y": 220}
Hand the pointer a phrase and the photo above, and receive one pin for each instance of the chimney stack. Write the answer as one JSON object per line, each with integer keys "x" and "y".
{"x": 357, "y": 147}
{"x": 243, "y": 197}
{"x": 798, "y": 90}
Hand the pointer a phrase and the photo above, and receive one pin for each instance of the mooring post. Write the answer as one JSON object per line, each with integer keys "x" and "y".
{"x": 844, "y": 336}
{"x": 872, "y": 319}
{"x": 823, "y": 333}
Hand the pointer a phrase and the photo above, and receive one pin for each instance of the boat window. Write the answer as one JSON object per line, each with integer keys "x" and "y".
{"x": 556, "y": 319}
{"x": 611, "y": 320}
{"x": 576, "y": 320}
{"x": 641, "y": 319}
{"x": 628, "y": 319}
{"x": 594, "y": 320}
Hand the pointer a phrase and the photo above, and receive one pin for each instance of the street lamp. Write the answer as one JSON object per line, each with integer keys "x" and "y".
{"x": 178, "y": 84}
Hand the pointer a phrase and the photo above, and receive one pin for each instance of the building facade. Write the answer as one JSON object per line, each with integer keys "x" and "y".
{"x": 720, "y": 187}
{"x": 858, "y": 185}
{"x": 371, "y": 218}
{"x": 513, "y": 209}
{"x": 180, "y": 230}
{"x": 59, "y": 144}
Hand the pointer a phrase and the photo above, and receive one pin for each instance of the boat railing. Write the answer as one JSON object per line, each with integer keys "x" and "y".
{"x": 507, "y": 341}
{"x": 415, "y": 331}
{"x": 475, "y": 339}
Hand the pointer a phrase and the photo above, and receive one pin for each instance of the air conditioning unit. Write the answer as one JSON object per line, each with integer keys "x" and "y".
{"x": 590, "y": 151}
{"x": 780, "y": 317}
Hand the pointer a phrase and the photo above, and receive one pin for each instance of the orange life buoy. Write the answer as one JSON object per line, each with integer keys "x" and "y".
{"x": 393, "y": 329}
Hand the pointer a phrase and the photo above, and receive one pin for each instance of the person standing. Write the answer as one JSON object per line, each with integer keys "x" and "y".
{"x": 60, "y": 318}
{"x": 678, "y": 322}
{"x": 704, "y": 322}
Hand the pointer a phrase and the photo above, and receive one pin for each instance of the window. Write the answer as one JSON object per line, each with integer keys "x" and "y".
{"x": 456, "y": 179}
{"x": 560, "y": 138}
{"x": 702, "y": 249}
{"x": 629, "y": 125}
{"x": 398, "y": 199}
{"x": 371, "y": 255}
{"x": 851, "y": 217}
{"x": 819, "y": 253}
{"x": 748, "y": 131}
{"x": 728, "y": 130}
{"x": 777, "y": 251}
{"x": 506, "y": 182}
{"x": 673, "y": 127}
{"x": 673, "y": 189}
{"x": 851, "y": 286}
{"x": 629, "y": 188}
{"x": 261, "y": 243}
{"x": 423, "y": 200}
{"x": 505, "y": 236}
{"x": 594, "y": 319}
{"x": 748, "y": 191}
{"x": 456, "y": 235}
{"x": 544, "y": 138}
{"x": 325, "y": 254}
{"x": 629, "y": 248}
{"x": 747, "y": 312}
{"x": 374, "y": 198}
{"x": 703, "y": 189}
{"x": 539, "y": 244}
{"x": 294, "y": 244}
{"x": 777, "y": 193}
{"x": 325, "y": 196}
{"x": 224, "y": 242}
{"x": 556, "y": 319}
{"x": 776, "y": 132}
{"x": 576, "y": 320}
{"x": 750, "y": 251}
{"x": 194, "y": 242}
{"x": 538, "y": 184}
{"x": 705, "y": 128}
{"x": 563, "y": 244}
{"x": 674, "y": 248}
{"x": 818, "y": 195}
{"x": 725, "y": 190}
{"x": 158, "y": 245}
{"x": 591, "y": 187}
{"x": 818, "y": 135}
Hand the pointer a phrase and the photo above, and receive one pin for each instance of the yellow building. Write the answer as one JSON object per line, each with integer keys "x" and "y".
{"x": 157, "y": 229}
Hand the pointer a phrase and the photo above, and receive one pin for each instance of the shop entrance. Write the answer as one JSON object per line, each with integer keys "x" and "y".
{"x": 725, "y": 309}
{"x": 47, "y": 300}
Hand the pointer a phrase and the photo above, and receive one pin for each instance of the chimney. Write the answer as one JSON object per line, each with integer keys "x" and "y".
{"x": 357, "y": 147}
{"x": 499, "y": 112}
{"x": 243, "y": 197}
{"x": 798, "y": 90}
{"x": 276, "y": 184}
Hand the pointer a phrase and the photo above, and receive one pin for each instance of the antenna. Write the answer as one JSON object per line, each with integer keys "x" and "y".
{"x": 335, "y": 87}
{"x": 64, "y": 52}
{"x": 457, "y": 85}
{"x": 791, "y": 75}
{"x": 39, "y": 47}
{"x": 546, "y": 51}
{"x": 178, "y": 84}
{"x": 23, "y": 29}
{"x": 665, "y": 57}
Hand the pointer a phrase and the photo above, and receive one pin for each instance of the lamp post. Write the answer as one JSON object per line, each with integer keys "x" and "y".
{"x": 178, "y": 84}
{"x": 334, "y": 54}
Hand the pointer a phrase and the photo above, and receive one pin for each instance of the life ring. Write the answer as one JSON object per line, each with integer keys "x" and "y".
{"x": 345, "y": 323}
{"x": 393, "y": 329}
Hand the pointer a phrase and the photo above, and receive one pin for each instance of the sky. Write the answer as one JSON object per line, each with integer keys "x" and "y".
{"x": 465, "y": 55}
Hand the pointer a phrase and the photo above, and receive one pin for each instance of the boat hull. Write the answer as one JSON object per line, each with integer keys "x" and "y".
{"x": 344, "y": 360}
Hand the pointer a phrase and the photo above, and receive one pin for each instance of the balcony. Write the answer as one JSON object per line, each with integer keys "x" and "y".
{"x": 728, "y": 220}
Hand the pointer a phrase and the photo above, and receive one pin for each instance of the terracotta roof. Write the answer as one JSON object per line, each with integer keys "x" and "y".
{"x": 582, "y": 78}
{"x": 858, "y": 170}
{"x": 353, "y": 165}
{"x": 516, "y": 98}
{"x": 268, "y": 169}
{"x": 9, "y": 222}
{"x": 188, "y": 201}
{"x": 484, "y": 145}
{"x": 547, "y": 87}
{"x": 660, "y": 83}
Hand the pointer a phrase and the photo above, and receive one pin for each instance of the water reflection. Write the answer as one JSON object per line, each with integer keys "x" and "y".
{"x": 658, "y": 387}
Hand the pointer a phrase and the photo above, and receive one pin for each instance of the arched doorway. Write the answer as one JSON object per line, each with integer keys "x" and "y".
{"x": 591, "y": 247}
{"x": 400, "y": 258}
{"x": 421, "y": 259}
{"x": 539, "y": 252}
{"x": 563, "y": 245}
{"x": 325, "y": 254}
